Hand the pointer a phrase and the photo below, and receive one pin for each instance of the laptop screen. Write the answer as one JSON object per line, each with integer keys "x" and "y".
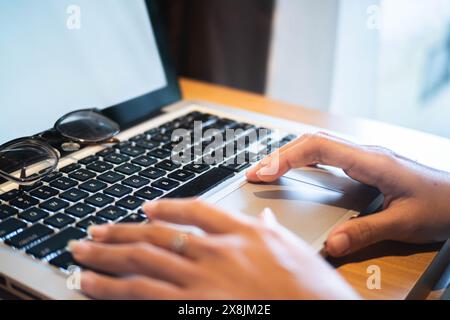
{"x": 59, "y": 56}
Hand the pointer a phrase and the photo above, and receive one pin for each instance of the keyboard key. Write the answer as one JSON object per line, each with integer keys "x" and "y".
{"x": 235, "y": 165}
{"x": 160, "y": 153}
{"x": 44, "y": 193}
{"x": 182, "y": 175}
{"x": 112, "y": 213}
{"x": 33, "y": 215}
{"x": 111, "y": 177}
{"x": 89, "y": 160}
{"x": 128, "y": 169}
{"x": 64, "y": 261}
{"x": 99, "y": 200}
{"x": 80, "y": 210}
{"x": 59, "y": 220}
{"x": 133, "y": 218}
{"x": 24, "y": 202}
{"x": 130, "y": 203}
{"x": 9, "y": 226}
{"x": 56, "y": 242}
{"x": 7, "y": 211}
{"x": 201, "y": 184}
{"x": 116, "y": 158}
{"x": 105, "y": 152}
{"x": 91, "y": 221}
{"x": 162, "y": 138}
{"x": 165, "y": 184}
{"x": 28, "y": 236}
{"x": 132, "y": 151}
{"x": 70, "y": 168}
{"x": 8, "y": 196}
{"x": 63, "y": 183}
{"x": 99, "y": 166}
{"x": 82, "y": 175}
{"x": 136, "y": 182}
{"x": 148, "y": 193}
{"x": 144, "y": 161}
{"x": 197, "y": 167}
{"x": 118, "y": 191}
{"x": 93, "y": 186}
{"x": 152, "y": 173}
{"x": 147, "y": 144}
{"x": 32, "y": 187}
{"x": 54, "y": 205}
{"x": 168, "y": 165}
{"x": 52, "y": 176}
{"x": 74, "y": 195}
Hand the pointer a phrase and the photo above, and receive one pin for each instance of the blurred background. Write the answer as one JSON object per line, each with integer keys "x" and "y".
{"x": 387, "y": 60}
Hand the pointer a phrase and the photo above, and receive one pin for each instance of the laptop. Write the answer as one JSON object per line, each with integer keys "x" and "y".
{"x": 113, "y": 56}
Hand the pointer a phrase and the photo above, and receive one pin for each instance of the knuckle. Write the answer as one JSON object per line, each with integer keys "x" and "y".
{"x": 364, "y": 231}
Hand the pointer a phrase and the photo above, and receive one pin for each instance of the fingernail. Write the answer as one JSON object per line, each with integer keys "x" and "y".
{"x": 338, "y": 244}
{"x": 97, "y": 232}
{"x": 77, "y": 246}
{"x": 265, "y": 171}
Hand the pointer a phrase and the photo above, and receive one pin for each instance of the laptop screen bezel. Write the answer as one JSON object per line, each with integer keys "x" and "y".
{"x": 139, "y": 109}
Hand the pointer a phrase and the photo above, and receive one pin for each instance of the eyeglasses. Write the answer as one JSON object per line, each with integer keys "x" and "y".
{"x": 28, "y": 160}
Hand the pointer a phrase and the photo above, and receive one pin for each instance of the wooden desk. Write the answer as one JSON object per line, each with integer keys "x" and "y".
{"x": 401, "y": 265}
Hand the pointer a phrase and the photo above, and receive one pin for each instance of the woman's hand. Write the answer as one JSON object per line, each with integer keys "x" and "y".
{"x": 237, "y": 258}
{"x": 416, "y": 208}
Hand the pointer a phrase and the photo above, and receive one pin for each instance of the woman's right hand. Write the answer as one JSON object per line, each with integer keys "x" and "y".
{"x": 416, "y": 207}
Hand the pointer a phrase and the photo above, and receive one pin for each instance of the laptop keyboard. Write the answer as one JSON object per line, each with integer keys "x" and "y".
{"x": 111, "y": 186}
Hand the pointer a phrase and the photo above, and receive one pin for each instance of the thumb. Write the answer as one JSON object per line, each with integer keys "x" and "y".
{"x": 361, "y": 232}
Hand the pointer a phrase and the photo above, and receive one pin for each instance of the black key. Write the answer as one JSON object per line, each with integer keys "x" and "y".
{"x": 112, "y": 213}
{"x": 64, "y": 183}
{"x": 99, "y": 166}
{"x": 7, "y": 211}
{"x": 122, "y": 144}
{"x": 165, "y": 184}
{"x": 59, "y": 220}
{"x": 24, "y": 202}
{"x": 236, "y": 165}
{"x": 74, "y": 195}
{"x": 91, "y": 221}
{"x": 44, "y": 193}
{"x": 133, "y": 218}
{"x": 89, "y": 160}
{"x": 197, "y": 167}
{"x": 111, "y": 177}
{"x": 139, "y": 137}
{"x": 152, "y": 131}
{"x": 54, "y": 205}
{"x": 52, "y": 176}
{"x": 130, "y": 203}
{"x": 9, "y": 226}
{"x": 82, "y": 175}
{"x": 148, "y": 193}
{"x": 168, "y": 165}
{"x": 182, "y": 175}
{"x": 160, "y": 153}
{"x": 116, "y": 158}
{"x": 128, "y": 169}
{"x": 118, "y": 191}
{"x": 80, "y": 210}
{"x": 201, "y": 184}
{"x": 147, "y": 144}
{"x": 33, "y": 215}
{"x": 8, "y": 196}
{"x": 99, "y": 200}
{"x": 64, "y": 261}
{"x": 28, "y": 236}
{"x": 55, "y": 243}
{"x": 136, "y": 182}
{"x": 144, "y": 161}
{"x": 163, "y": 138}
{"x": 32, "y": 187}
{"x": 70, "y": 168}
{"x": 152, "y": 173}
{"x": 93, "y": 186}
{"x": 132, "y": 151}
{"x": 105, "y": 152}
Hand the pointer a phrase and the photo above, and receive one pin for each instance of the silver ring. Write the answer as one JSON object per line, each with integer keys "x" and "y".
{"x": 180, "y": 242}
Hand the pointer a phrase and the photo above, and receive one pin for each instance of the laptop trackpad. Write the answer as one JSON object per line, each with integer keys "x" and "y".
{"x": 307, "y": 202}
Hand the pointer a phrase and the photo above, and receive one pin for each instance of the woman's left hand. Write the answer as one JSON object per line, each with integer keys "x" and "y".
{"x": 237, "y": 258}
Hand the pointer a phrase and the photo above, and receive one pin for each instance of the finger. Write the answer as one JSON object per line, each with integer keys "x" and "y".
{"x": 155, "y": 233}
{"x": 137, "y": 288}
{"x": 194, "y": 212}
{"x": 138, "y": 259}
{"x": 362, "y": 232}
